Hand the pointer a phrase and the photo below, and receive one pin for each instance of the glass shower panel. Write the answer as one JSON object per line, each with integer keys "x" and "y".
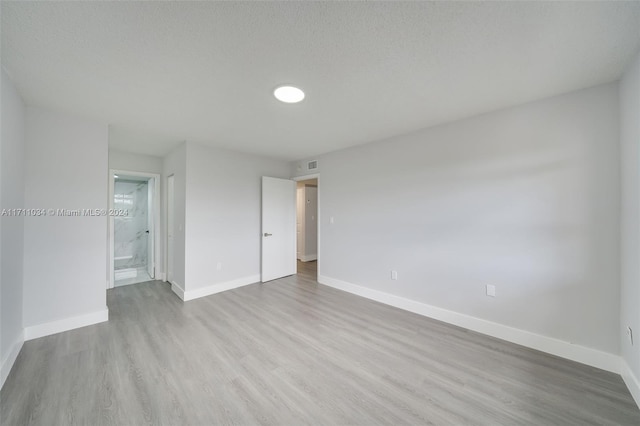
{"x": 130, "y": 232}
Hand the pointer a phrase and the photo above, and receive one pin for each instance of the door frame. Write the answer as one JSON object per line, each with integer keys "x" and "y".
{"x": 170, "y": 221}
{"x": 319, "y": 214}
{"x": 156, "y": 220}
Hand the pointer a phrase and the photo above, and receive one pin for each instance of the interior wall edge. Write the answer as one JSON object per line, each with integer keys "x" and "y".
{"x": 10, "y": 359}
{"x": 220, "y": 287}
{"x": 632, "y": 382}
{"x": 66, "y": 324}
{"x": 177, "y": 289}
{"x": 582, "y": 354}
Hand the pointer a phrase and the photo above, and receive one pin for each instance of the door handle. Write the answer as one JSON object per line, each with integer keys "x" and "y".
{"x": 266, "y": 234}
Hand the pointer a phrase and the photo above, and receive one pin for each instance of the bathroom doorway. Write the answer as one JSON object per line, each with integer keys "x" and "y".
{"x": 133, "y": 227}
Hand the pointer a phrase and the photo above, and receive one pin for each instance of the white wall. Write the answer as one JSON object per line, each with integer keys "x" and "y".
{"x": 11, "y": 227}
{"x": 66, "y": 167}
{"x": 223, "y": 211}
{"x": 129, "y": 161}
{"x": 120, "y": 160}
{"x": 175, "y": 163}
{"x": 524, "y": 198}
{"x": 630, "y": 171}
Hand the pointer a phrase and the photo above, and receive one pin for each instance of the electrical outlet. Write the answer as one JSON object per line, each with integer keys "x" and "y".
{"x": 491, "y": 290}
{"x": 219, "y": 266}
{"x": 630, "y": 335}
{"x": 394, "y": 275}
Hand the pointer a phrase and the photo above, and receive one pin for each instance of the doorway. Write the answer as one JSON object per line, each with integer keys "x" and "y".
{"x": 279, "y": 255}
{"x": 134, "y": 221}
{"x": 307, "y": 228}
{"x": 170, "y": 223}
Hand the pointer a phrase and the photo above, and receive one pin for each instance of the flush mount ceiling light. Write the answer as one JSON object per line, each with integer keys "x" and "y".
{"x": 288, "y": 94}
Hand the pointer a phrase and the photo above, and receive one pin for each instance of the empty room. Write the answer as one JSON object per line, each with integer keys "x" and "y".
{"x": 315, "y": 212}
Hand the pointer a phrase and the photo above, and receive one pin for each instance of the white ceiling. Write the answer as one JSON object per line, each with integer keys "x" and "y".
{"x": 163, "y": 72}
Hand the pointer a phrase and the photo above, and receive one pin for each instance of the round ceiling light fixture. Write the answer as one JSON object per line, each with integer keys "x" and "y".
{"x": 288, "y": 94}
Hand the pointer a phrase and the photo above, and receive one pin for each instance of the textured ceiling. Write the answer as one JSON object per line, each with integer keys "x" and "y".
{"x": 163, "y": 72}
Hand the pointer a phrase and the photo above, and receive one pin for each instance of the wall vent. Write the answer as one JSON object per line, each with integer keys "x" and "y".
{"x": 312, "y": 165}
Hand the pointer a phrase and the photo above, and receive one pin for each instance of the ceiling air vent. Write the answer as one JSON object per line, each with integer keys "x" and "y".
{"x": 312, "y": 165}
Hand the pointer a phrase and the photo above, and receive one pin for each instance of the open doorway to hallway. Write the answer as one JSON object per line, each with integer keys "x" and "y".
{"x": 307, "y": 228}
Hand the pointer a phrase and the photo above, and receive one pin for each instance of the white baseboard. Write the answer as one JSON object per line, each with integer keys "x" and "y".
{"x": 220, "y": 287}
{"x": 46, "y": 329}
{"x": 177, "y": 289}
{"x": 308, "y": 257}
{"x": 631, "y": 381}
{"x": 161, "y": 276}
{"x": 561, "y": 348}
{"x": 10, "y": 359}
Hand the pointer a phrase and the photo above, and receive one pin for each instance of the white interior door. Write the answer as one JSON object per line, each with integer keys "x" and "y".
{"x": 151, "y": 261}
{"x": 170, "y": 227}
{"x": 278, "y": 228}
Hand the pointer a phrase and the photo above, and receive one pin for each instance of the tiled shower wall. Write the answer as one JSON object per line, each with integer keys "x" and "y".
{"x": 130, "y": 231}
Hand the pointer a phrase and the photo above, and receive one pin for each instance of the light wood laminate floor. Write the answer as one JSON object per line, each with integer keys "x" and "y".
{"x": 294, "y": 352}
